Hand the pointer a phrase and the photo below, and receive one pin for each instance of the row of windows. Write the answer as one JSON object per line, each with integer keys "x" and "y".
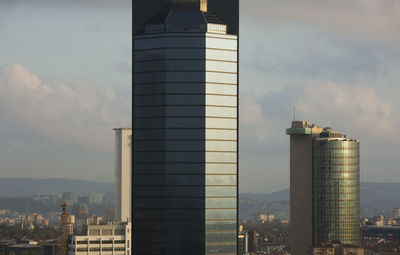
{"x": 187, "y": 168}
{"x": 183, "y": 214}
{"x": 184, "y": 111}
{"x": 185, "y": 100}
{"x": 181, "y": 133}
{"x": 177, "y": 122}
{"x": 186, "y": 65}
{"x": 216, "y": 157}
{"x": 187, "y": 180}
{"x": 221, "y": 42}
{"x": 185, "y": 145}
{"x": 102, "y": 249}
{"x": 101, "y": 241}
{"x": 189, "y": 54}
{"x": 185, "y": 88}
{"x": 184, "y": 191}
{"x": 157, "y": 225}
{"x": 151, "y": 202}
{"x": 187, "y": 76}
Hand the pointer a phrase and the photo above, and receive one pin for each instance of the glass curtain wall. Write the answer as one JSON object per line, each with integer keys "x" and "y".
{"x": 336, "y": 191}
{"x": 185, "y": 143}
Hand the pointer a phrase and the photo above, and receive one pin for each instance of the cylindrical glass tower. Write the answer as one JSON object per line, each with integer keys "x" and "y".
{"x": 336, "y": 189}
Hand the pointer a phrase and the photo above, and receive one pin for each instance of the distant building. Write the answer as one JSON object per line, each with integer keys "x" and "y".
{"x": 243, "y": 247}
{"x": 5, "y": 244}
{"x": 123, "y": 176}
{"x": 396, "y": 213}
{"x": 252, "y": 241}
{"x": 337, "y": 249}
{"x": 265, "y": 217}
{"x": 324, "y": 187}
{"x": 102, "y": 239}
{"x": 96, "y": 198}
{"x": 70, "y": 198}
{"x": 24, "y": 249}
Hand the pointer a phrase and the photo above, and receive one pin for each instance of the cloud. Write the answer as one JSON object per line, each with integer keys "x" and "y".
{"x": 373, "y": 19}
{"x": 77, "y": 113}
{"x": 89, "y": 3}
{"x": 355, "y": 109}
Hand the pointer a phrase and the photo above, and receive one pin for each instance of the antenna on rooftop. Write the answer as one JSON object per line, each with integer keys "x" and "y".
{"x": 294, "y": 113}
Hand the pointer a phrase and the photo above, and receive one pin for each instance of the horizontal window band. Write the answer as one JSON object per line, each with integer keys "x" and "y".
{"x": 182, "y": 94}
{"x": 184, "y": 220}
{"x": 202, "y": 151}
{"x": 184, "y": 140}
{"x": 184, "y": 117}
{"x": 182, "y": 59}
{"x": 171, "y": 35}
{"x": 165, "y": 186}
{"x": 188, "y": 197}
{"x": 184, "y": 105}
{"x": 164, "y": 84}
{"x": 182, "y": 48}
{"x": 183, "y": 82}
{"x": 341, "y": 193}
{"x": 166, "y": 174}
{"x": 232, "y": 129}
{"x": 181, "y": 208}
{"x": 183, "y": 71}
{"x": 203, "y": 163}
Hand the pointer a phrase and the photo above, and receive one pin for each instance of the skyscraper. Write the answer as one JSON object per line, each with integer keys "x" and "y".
{"x": 123, "y": 177}
{"x": 185, "y": 125}
{"x": 324, "y": 187}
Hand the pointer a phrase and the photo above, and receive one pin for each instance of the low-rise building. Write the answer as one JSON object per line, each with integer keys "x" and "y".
{"x": 102, "y": 239}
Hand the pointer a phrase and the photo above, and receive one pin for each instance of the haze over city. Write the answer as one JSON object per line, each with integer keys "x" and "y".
{"x": 65, "y": 82}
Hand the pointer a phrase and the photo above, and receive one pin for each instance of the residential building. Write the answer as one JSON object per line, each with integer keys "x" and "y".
{"x": 185, "y": 122}
{"x": 102, "y": 239}
{"x": 96, "y": 198}
{"x": 123, "y": 177}
{"x": 324, "y": 188}
{"x": 70, "y": 198}
{"x": 396, "y": 213}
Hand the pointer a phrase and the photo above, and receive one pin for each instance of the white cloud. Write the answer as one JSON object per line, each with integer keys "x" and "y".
{"x": 77, "y": 113}
{"x": 355, "y": 109}
{"x": 376, "y": 19}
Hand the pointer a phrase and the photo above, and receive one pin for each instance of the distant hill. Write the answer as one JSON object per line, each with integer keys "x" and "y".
{"x": 25, "y": 187}
{"x": 376, "y": 199}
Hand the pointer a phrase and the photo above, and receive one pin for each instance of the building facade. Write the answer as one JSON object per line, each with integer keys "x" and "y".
{"x": 185, "y": 116}
{"x": 123, "y": 177}
{"x": 102, "y": 239}
{"x": 324, "y": 188}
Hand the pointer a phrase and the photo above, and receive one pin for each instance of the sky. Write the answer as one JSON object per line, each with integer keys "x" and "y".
{"x": 65, "y": 83}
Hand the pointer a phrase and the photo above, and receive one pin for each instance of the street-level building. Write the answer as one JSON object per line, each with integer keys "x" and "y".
{"x": 102, "y": 239}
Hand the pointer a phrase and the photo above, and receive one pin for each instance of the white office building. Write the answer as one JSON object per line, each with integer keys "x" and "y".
{"x": 102, "y": 239}
{"x": 122, "y": 180}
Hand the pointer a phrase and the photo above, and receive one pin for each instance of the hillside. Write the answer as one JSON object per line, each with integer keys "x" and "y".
{"x": 25, "y": 187}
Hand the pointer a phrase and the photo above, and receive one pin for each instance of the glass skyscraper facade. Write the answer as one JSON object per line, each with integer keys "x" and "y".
{"x": 185, "y": 130}
{"x": 336, "y": 190}
{"x": 324, "y": 188}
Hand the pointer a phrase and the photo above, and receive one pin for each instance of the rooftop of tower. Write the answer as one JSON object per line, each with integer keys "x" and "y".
{"x": 301, "y": 127}
{"x": 185, "y": 20}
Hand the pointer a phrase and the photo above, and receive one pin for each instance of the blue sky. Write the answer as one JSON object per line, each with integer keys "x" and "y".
{"x": 65, "y": 80}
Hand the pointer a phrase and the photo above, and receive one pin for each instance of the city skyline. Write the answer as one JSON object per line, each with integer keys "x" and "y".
{"x": 295, "y": 59}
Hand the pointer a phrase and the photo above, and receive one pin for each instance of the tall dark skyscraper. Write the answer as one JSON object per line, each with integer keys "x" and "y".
{"x": 185, "y": 127}
{"x": 324, "y": 188}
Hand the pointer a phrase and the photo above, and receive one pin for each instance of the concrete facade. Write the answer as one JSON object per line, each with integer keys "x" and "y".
{"x": 301, "y": 220}
{"x": 102, "y": 239}
{"x": 123, "y": 174}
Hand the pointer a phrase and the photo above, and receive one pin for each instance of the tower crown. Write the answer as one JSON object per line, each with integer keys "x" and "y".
{"x": 194, "y": 5}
